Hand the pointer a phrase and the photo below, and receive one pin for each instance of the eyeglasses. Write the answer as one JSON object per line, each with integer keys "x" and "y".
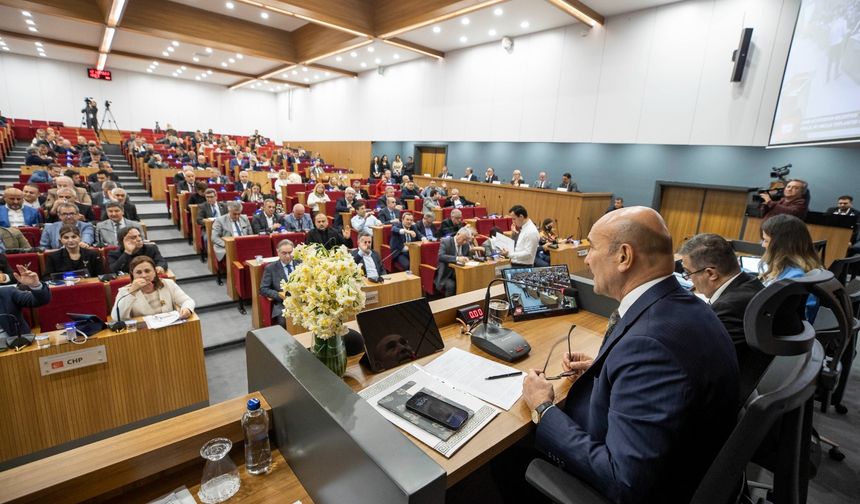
{"x": 551, "y": 350}
{"x": 67, "y": 214}
{"x": 687, "y": 274}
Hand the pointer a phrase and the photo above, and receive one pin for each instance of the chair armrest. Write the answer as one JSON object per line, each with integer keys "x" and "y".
{"x": 560, "y": 486}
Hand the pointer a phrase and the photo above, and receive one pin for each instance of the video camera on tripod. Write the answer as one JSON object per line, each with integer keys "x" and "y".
{"x": 777, "y": 187}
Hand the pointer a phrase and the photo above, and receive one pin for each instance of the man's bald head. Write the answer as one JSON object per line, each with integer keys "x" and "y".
{"x": 642, "y": 227}
{"x": 14, "y": 198}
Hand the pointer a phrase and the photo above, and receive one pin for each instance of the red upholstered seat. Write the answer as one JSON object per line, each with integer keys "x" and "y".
{"x": 82, "y": 298}
{"x": 385, "y": 248}
{"x": 33, "y": 235}
{"x": 446, "y": 212}
{"x": 468, "y": 212}
{"x": 228, "y": 195}
{"x": 479, "y": 212}
{"x": 429, "y": 263}
{"x": 419, "y": 205}
{"x": 115, "y": 285}
{"x": 484, "y": 226}
{"x": 249, "y": 208}
{"x": 296, "y": 238}
{"x": 29, "y": 260}
{"x": 503, "y": 223}
{"x": 248, "y": 247}
{"x": 330, "y": 207}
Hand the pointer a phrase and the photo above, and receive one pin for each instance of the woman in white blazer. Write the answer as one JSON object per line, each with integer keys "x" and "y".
{"x": 148, "y": 294}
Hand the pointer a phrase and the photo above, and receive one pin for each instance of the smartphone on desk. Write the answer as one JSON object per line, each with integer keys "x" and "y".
{"x": 437, "y": 410}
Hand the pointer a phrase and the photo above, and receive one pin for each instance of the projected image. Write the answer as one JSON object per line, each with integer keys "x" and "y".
{"x": 542, "y": 294}
{"x": 820, "y": 96}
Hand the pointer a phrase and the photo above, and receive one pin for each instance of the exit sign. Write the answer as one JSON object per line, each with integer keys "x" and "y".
{"x": 94, "y": 73}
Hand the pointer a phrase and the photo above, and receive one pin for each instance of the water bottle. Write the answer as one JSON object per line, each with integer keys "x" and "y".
{"x": 255, "y": 424}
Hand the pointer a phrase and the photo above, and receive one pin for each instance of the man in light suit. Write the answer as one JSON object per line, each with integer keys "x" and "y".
{"x": 108, "y": 231}
{"x": 268, "y": 220}
{"x": 298, "y": 221}
{"x": 367, "y": 258}
{"x": 14, "y": 213}
{"x": 66, "y": 182}
{"x": 541, "y": 182}
{"x": 273, "y": 274}
{"x": 232, "y": 224}
{"x": 452, "y": 250}
{"x": 633, "y": 422}
{"x": 68, "y": 214}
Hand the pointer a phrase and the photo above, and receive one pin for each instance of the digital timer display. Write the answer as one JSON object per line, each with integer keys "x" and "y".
{"x": 476, "y": 313}
{"x": 470, "y": 314}
{"x": 95, "y": 73}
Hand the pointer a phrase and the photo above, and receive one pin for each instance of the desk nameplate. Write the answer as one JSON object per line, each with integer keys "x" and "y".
{"x": 68, "y": 361}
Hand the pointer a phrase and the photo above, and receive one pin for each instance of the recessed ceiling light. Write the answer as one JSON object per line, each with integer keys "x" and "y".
{"x": 32, "y": 29}
{"x": 437, "y": 29}
{"x": 307, "y": 80}
{"x": 209, "y": 50}
{"x": 328, "y": 74}
{"x": 209, "y": 72}
{"x": 370, "y": 49}
{"x": 171, "y": 49}
{"x": 2, "y": 44}
{"x": 304, "y": 69}
{"x": 498, "y": 11}
{"x": 183, "y": 67}
{"x": 229, "y": 5}
{"x": 316, "y": 77}
{"x": 377, "y": 61}
{"x": 264, "y": 15}
{"x": 38, "y": 44}
{"x": 464, "y": 39}
{"x": 174, "y": 74}
{"x": 40, "y": 49}
{"x": 224, "y": 64}
{"x": 265, "y": 82}
{"x": 353, "y": 54}
{"x": 339, "y": 58}
{"x": 155, "y": 63}
{"x": 197, "y": 77}
{"x": 465, "y": 21}
{"x": 43, "y": 54}
{"x": 278, "y": 88}
{"x": 285, "y": 75}
{"x": 175, "y": 43}
{"x": 25, "y": 13}
{"x": 396, "y": 56}
{"x": 524, "y": 24}
{"x": 165, "y": 53}
{"x": 195, "y": 59}
{"x": 491, "y": 33}
{"x": 231, "y": 60}
{"x": 148, "y": 70}
{"x": 30, "y": 22}
{"x": 295, "y": 72}
{"x": 239, "y": 56}
{"x": 5, "y": 48}
{"x": 363, "y": 65}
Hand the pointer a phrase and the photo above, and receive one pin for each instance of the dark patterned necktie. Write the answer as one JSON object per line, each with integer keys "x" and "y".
{"x": 613, "y": 321}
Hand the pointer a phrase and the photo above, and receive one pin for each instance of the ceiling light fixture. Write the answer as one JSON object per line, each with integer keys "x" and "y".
{"x": 155, "y": 63}
{"x": 195, "y": 59}
{"x": 264, "y": 15}
{"x": 43, "y": 54}
{"x": 209, "y": 50}
{"x": 437, "y": 29}
{"x": 465, "y": 21}
{"x": 38, "y": 44}
{"x": 363, "y": 65}
{"x": 307, "y": 80}
{"x": 165, "y": 54}
{"x": 498, "y": 11}
{"x": 377, "y": 61}
{"x": 339, "y": 59}
{"x": 353, "y": 54}
{"x": 491, "y": 33}
{"x": 396, "y": 56}
{"x": 115, "y": 13}
{"x": 148, "y": 70}
{"x": 5, "y": 48}
{"x": 370, "y": 49}
{"x": 171, "y": 49}
{"x": 414, "y": 48}
{"x": 304, "y": 69}
{"x": 39, "y": 49}
{"x": 33, "y": 29}
{"x": 464, "y": 39}
{"x": 2, "y": 44}
{"x": 101, "y": 63}
{"x": 316, "y": 77}
{"x": 239, "y": 56}
{"x": 328, "y": 74}
{"x": 524, "y": 25}
{"x": 174, "y": 43}
{"x": 107, "y": 39}
{"x": 183, "y": 67}
{"x": 209, "y": 72}
{"x": 231, "y": 60}
{"x": 30, "y": 22}
{"x": 229, "y": 5}
{"x": 25, "y": 13}
{"x": 295, "y": 72}
{"x": 224, "y": 64}
{"x": 196, "y": 77}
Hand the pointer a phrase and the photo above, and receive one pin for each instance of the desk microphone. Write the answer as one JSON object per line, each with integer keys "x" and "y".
{"x": 118, "y": 325}
{"x": 578, "y": 228}
{"x": 15, "y": 341}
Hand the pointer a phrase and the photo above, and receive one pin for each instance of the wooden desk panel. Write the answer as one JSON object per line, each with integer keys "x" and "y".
{"x": 262, "y": 178}
{"x": 158, "y": 179}
{"x": 838, "y": 239}
{"x": 569, "y": 254}
{"x": 210, "y": 251}
{"x": 477, "y": 277}
{"x": 147, "y": 373}
{"x": 195, "y": 229}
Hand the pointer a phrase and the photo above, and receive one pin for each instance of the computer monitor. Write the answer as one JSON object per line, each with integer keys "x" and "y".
{"x": 750, "y": 264}
{"x": 398, "y": 333}
{"x": 543, "y": 296}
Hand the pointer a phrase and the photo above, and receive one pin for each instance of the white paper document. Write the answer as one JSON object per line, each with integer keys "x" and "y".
{"x": 503, "y": 241}
{"x": 162, "y": 320}
{"x": 468, "y": 372}
{"x": 420, "y": 379}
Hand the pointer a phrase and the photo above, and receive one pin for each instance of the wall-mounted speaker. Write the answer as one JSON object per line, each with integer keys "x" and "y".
{"x": 380, "y": 70}
{"x": 739, "y": 55}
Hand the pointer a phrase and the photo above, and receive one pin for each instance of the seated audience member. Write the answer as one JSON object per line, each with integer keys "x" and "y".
{"x": 244, "y": 183}
{"x": 268, "y": 220}
{"x": 490, "y": 176}
{"x": 105, "y": 167}
{"x": 131, "y": 248}
{"x": 445, "y": 174}
{"x": 711, "y": 264}
{"x": 199, "y": 195}
{"x": 390, "y": 214}
{"x": 46, "y": 176}
{"x": 129, "y": 209}
{"x": 298, "y": 221}
{"x": 66, "y": 195}
{"x": 232, "y": 224}
{"x": 457, "y": 201}
{"x": 427, "y": 228}
{"x": 294, "y": 178}
{"x": 632, "y": 422}
{"x": 452, "y": 224}
{"x": 12, "y": 238}
{"x": 366, "y": 257}
{"x": 843, "y": 207}
{"x": 382, "y": 201}
{"x": 431, "y": 203}
{"x": 187, "y": 182}
{"x": 363, "y": 220}
{"x": 149, "y": 294}
{"x": 102, "y": 197}
{"x": 360, "y": 193}
{"x": 317, "y": 196}
{"x": 327, "y": 236}
{"x": 38, "y": 156}
{"x": 201, "y": 163}
{"x": 65, "y": 147}
{"x": 73, "y": 257}
{"x": 32, "y": 197}
{"x": 547, "y": 237}
{"x": 155, "y": 162}
{"x": 441, "y": 189}
{"x": 273, "y": 274}
{"x": 384, "y": 163}
{"x": 788, "y": 253}
{"x": 316, "y": 171}
{"x": 14, "y": 214}
{"x": 375, "y": 168}
{"x": 64, "y": 182}
{"x": 792, "y": 202}
{"x": 469, "y": 175}
{"x": 346, "y": 204}
{"x": 254, "y": 194}
{"x": 7, "y": 276}
{"x": 108, "y": 230}
{"x": 541, "y": 182}
{"x": 616, "y": 204}
{"x": 387, "y": 178}
{"x": 404, "y": 232}
{"x": 12, "y": 300}
{"x": 517, "y": 179}
{"x": 68, "y": 214}
{"x": 95, "y": 186}
{"x": 452, "y": 250}
{"x": 490, "y": 247}
{"x": 212, "y": 208}
{"x": 527, "y": 241}
{"x": 410, "y": 191}
{"x": 567, "y": 183}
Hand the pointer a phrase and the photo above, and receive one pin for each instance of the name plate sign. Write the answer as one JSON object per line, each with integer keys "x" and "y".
{"x": 59, "y": 363}
{"x": 371, "y": 297}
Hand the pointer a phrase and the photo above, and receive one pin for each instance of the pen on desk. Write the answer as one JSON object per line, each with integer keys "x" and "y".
{"x": 506, "y": 375}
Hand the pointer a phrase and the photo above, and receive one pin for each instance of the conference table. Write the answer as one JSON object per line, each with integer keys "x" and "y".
{"x": 476, "y": 275}
{"x": 152, "y": 461}
{"x": 571, "y": 254}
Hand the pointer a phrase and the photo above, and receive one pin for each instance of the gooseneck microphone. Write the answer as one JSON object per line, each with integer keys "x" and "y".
{"x": 119, "y": 325}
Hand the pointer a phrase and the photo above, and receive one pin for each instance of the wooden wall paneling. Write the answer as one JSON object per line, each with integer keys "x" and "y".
{"x": 681, "y": 208}
{"x": 723, "y": 213}
{"x": 838, "y": 239}
{"x": 355, "y": 155}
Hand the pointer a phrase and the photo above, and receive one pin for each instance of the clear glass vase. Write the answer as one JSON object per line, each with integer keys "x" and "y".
{"x": 331, "y": 352}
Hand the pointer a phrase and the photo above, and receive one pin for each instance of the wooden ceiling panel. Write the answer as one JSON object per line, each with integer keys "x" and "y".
{"x": 82, "y": 10}
{"x": 353, "y": 15}
{"x": 393, "y": 17}
{"x": 315, "y": 42}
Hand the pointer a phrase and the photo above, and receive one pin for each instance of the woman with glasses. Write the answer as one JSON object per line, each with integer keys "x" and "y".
{"x": 788, "y": 253}
{"x": 149, "y": 294}
{"x": 73, "y": 257}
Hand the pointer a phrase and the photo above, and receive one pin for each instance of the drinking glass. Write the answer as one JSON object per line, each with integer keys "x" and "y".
{"x": 220, "y": 475}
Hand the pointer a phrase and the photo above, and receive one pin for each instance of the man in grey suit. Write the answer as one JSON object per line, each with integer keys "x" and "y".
{"x": 232, "y": 224}
{"x": 268, "y": 220}
{"x": 452, "y": 250}
{"x": 107, "y": 231}
{"x": 567, "y": 183}
{"x": 212, "y": 209}
{"x": 298, "y": 221}
{"x": 273, "y": 274}
{"x": 542, "y": 182}
{"x": 103, "y": 196}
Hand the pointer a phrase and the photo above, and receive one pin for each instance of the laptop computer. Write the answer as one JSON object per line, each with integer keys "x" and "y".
{"x": 398, "y": 334}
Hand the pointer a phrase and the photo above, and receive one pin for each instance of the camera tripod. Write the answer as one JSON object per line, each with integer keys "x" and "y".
{"x": 110, "y": 119}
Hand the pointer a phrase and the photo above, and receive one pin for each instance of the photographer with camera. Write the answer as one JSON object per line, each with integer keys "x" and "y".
{"x": 90, "y": 111}
{"x": 792, "y": 202}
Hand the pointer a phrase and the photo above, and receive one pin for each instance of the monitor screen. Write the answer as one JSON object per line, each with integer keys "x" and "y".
{"x": 751, "y": 264}
{"x": 543, "y": 294}
{"x": 398, "y": 333}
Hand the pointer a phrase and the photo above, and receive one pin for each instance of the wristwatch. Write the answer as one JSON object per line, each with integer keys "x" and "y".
{"x": 538, "y": 412}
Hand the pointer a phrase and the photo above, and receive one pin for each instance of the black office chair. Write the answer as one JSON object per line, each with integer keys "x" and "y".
{"x": 820, "y": 246}
{"x": 745, "y": 247}
{"x": 774, "y": 324}
{"x": 846, "y": 271}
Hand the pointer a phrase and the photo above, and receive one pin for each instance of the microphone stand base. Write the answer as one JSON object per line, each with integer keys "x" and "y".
{"x": 499, "y": 342}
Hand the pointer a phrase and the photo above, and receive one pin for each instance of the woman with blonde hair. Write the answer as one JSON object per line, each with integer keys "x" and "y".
{"x": 280, "y": 182}
{"x": 788, "y": 253}
{"x": 318, "y": 196}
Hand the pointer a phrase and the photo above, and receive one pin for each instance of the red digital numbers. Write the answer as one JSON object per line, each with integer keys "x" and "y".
{"x": 476, "y": 313}
{"x": 94, "y": 73}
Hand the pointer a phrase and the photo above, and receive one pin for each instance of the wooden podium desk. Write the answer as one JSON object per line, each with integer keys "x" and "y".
{"x": 477, "y": 277}
{"x": 149, "y": 374}
{"x": 210, "y": 251}
{"x": 838, "y": 238}
{"x": 570, "y": 254}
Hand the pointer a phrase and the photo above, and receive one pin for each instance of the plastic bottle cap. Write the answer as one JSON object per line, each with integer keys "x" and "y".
{"x": 253, "y": 404}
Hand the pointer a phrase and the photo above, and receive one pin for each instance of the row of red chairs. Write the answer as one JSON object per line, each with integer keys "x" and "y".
{"x": 34, "y": 262}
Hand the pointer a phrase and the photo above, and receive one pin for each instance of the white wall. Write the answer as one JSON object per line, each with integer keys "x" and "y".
{"x": 656, "y": 76}
{"x": 38, "y": 88}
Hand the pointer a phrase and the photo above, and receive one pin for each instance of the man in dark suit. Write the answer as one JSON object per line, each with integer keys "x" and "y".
{"x": 390, "y": 214}
{"x": 212, "y": 209}
{"x": 469, "y": 175}
{"x": 243, "y": 183}
{"x": 326, "y": 236}
{"x": 710, "y": 263}
{"x": 273, "y": 274}
{"x": 403, "y": 232}
{"x": 268, "y": 220}
{"x": 367, "y": 258}
{"x": 633, "y": 422}
{"x": 457, "y": 201}
{"x": 128, "y": 208}
{"x": 347, "y": 204}
{"x": 567, "y": 183}
{"x": 360, "y": 194}
{"x": 452, "y": 250}
{"x": 452, "y": 225}
{"x": 490, "y": 176}
{"x": 12, "y": 300}
{"x": 427, "y": 228}
{"x": 844, "y": 207}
